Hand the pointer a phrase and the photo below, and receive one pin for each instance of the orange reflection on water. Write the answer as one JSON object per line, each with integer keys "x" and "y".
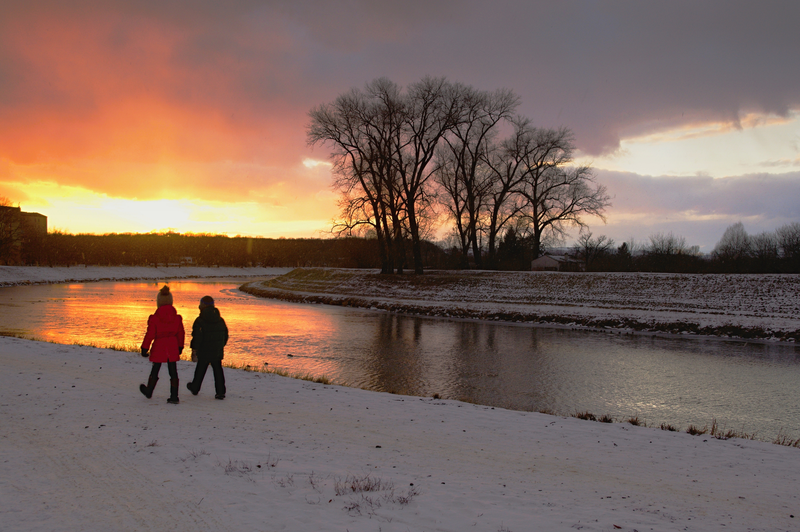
{"x": 115, "y": 315}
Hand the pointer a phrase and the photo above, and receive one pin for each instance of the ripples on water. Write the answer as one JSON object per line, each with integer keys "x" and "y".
{"x": 748, "y": 387}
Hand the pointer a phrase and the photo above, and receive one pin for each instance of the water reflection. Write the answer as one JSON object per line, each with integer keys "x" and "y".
{"x": 745, "y": 386}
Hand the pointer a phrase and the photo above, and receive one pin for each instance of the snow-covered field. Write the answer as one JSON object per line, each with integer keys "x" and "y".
{"x": 751, "y": 306}
{"x": 21, "y": 275}
{"x": 82, "y": 449}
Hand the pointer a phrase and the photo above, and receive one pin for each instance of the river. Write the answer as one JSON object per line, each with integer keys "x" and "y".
{"x": 744, "y": 386}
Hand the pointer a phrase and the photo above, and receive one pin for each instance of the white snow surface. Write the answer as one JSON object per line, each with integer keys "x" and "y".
{"x": 21, "y": 275}
{"x": 82, "y": 449}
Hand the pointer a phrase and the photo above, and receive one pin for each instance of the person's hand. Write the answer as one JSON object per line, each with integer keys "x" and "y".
{"x": 194, "y": 355}
{"x": 144, "y": 352}
{"x": 180, "y": 350}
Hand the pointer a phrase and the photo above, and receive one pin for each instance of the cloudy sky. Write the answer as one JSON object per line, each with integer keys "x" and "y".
{"x": 134, "y": 116}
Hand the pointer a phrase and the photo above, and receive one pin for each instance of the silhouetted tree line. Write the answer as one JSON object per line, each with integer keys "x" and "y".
{"x": 736, "y": 252}
{"x": 62, "y": 249}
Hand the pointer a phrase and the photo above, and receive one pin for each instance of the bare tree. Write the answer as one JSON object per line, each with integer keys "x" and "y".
{"x": 734, "y": 246}
{"x": 463, "y": 173}
{"x": 361, "y": 128}
{"x": 590, "y": 249}
{"x": 432, "y": 107}
{"x": 667, "y": 244}
{"x": 789, "y": 241}
{"x": 507, "y": 166}
{"x": 556, "y": 196}
{"x": 764, "y": 246}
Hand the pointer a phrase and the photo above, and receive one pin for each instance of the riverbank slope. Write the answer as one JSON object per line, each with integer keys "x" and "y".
{"x": 763, "y": 307}
{"x": 82, "y": 449}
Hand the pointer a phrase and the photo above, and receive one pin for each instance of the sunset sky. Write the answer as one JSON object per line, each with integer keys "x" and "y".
{"x": 135, "y": 116}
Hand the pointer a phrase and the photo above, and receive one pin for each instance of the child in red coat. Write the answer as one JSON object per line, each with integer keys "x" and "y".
{"x": 165, "y": 333}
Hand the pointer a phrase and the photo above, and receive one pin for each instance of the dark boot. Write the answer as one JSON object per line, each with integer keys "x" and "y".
{"x": 148, "y": 390}
{"x": 173, "y": 392}
{"x": 191, "y": 388}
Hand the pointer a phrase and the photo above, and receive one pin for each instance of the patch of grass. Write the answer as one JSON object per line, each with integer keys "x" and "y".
{"x": 636, "y": 422}
{"x": 367, "y": 483}
{"x": 195, "y": 455}
{"x": 315, "y": 482}
{"x": 322, "y": 379}
{"x": 696, "y": 431}
{"x": 234, "y": 467}
{"x": 605, "y": 418}
{"x": 285, "y": 482}
{"x": 783, "y": 439}
{"x": 671, "y": 428}
{"x": 128, "y": 347}
{"x": 153, "y": 443}
{"x": 11, "y": 334}
{"x": 585, "y": 415}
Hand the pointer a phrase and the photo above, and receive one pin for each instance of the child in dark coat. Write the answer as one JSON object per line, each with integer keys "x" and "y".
{"x": 166, "y": 335}
{"x": 209, "y": 336}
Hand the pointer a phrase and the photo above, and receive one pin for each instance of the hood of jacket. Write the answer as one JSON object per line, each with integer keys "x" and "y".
{"x": 210, "y": 315}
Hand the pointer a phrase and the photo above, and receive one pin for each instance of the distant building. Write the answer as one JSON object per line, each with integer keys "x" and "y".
{"x": 33, "y": 224}
{"x": 16, "y": 229}
{"x": 556, "y": 263}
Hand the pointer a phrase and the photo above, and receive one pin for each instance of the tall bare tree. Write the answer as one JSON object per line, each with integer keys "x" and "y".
{"x": 556, "y": 195}
{"x": 361, "y": 127}
{"x": 789, "y": 242}
{"x": 433, "y": 107}
{"x": 735, "y": 245}
{"x": 464, "y": 173}
{"x": 507, "y": 169}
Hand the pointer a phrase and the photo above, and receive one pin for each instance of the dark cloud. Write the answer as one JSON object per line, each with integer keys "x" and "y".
{"x": 741, "y": 196}
{"x": 602, "y": 68}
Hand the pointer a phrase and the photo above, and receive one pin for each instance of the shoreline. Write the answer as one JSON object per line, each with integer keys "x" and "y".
{"x": 371, "y": 291}
{"x": 33, "y": 275}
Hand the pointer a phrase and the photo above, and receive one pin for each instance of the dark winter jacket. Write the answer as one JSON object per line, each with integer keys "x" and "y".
{"x": 165, "y": 333}
{"x": 209, "y": 334}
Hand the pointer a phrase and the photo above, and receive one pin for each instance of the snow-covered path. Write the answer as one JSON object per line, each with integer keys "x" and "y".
{"x": 82, "y": 449}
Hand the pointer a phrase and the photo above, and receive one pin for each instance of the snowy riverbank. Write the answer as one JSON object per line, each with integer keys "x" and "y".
{"x": 22, "y": 275}
{"x": 759, "y": 307}
{"x": 82, "y": 449}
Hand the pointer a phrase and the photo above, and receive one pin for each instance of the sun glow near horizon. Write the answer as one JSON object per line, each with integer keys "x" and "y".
{"x": 83, "y": 211}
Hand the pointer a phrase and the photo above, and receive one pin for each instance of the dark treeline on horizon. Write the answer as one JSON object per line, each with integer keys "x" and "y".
{"x": 63, "y": 249}
{"x": 664, "y": 253}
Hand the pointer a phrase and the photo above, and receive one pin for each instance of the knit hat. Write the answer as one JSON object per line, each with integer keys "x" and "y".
{"x": 206, "y": 301}
{"x": 164, "y": 296}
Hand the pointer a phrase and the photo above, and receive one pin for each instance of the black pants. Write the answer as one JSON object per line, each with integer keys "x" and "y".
{"x": 200, "y": 373}
{"x": 172, "y": 367}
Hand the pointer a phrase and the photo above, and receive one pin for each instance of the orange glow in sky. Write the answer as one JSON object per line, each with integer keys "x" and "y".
{"x": 120, "y": 116}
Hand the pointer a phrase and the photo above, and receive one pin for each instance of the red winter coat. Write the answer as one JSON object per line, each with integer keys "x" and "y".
{"x": 165, "y": 332}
